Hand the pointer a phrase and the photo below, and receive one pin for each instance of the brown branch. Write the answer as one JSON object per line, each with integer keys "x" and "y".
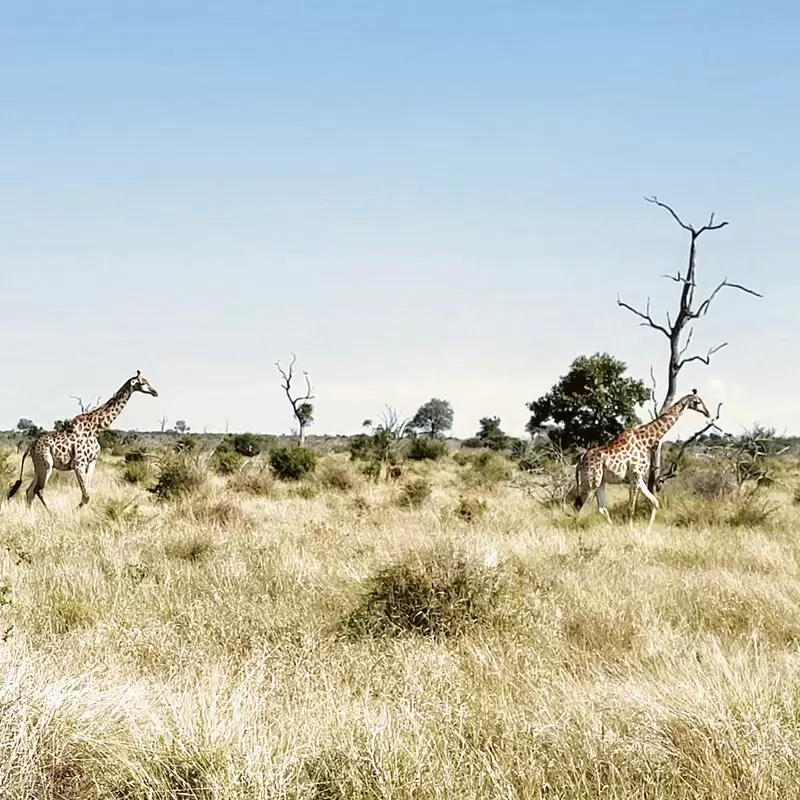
{"x": 644, "y": 315}
{"x": 673, "y": 468}
{"x": 706, "y": 359}
{"x": 702, "y": 309}
{"x": 85, "y": 407}
{"x": 287, "y": 386}
{"x": 655, "y": 201}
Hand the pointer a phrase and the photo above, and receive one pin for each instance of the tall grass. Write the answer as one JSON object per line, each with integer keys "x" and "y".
{"x": 342, "y": 643}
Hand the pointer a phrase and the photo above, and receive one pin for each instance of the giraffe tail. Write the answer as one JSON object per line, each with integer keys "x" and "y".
{"x": 17, "y": 483}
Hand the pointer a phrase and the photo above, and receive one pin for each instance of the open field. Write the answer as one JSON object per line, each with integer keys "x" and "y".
{"x": 324, "y": 639}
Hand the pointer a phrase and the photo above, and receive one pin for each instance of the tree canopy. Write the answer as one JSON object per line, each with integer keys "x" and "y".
{"x": 591, "y": 404}
{"x": 433, "y": 418}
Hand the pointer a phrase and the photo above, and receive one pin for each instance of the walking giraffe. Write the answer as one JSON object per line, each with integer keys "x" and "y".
{"x": 627, "y": 459}
{"x": 76, "y": 449}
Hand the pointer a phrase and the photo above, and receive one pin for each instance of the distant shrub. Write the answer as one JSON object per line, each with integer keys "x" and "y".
{"x": 291, "y": 463}
{"x": 415, "y": 493}
{"x": 436, "y": 594}
{"x": 426, "y": 449}
{"x": 185, "y": 444}
{"x": 193, "y": 547}
{"x": 337, "y": 476}
{"x": 177, "y": 476}
{"x": 137, "y": 472}
{"x": 109, "y": 440}
{"x": 751, "y": 512}
{"x": 7, "y": 471}
{"x": 135, "y": 454}
{"x": 248, "y": 445}
{"x": 709, "y": 484}
{"x": 486, "y": 470}
{"x": 226, "y": 462}
{"x": 256, "y": 479}
{"x": 470, "y": 509}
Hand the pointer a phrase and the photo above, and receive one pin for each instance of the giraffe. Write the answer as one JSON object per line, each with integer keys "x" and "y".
{"x": 76, "y": 449}
{"x": 626, "y": 459}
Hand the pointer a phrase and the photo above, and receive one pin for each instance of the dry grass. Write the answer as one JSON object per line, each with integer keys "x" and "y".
{"x": 201, "y": 647}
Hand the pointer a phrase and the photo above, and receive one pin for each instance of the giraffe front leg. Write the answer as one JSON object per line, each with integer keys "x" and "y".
{"x": 90, "y": 473}
{"x": 655, "y": 505}
{"x": 634, "y": 491}
{"x": 80, "y": 474}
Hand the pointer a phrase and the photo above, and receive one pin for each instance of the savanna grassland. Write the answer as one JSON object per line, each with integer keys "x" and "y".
{"x": 444, "y": 635}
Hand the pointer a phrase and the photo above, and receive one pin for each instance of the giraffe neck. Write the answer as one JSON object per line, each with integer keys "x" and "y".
{"x": 102, "y": 417}
{"x": 657, "y": 429}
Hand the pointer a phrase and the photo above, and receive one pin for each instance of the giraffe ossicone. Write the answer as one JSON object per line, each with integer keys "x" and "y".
{"x": 626, "y": 459}
{"x": 76, "y": 449}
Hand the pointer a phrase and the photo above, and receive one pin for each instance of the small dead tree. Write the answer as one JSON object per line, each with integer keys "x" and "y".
{"x": 679, "y": 329}
{"x": 302, "y": 409}
{"x": 86, "y": 407}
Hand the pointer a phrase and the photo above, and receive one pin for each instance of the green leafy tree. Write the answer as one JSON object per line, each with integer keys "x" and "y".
{"x": 491, "y": 434}
{"x": 592, "y": 403}
{"x": 433, "y": 418}
{"x": 63, "y": 425}
{"x": 27, "y": 428}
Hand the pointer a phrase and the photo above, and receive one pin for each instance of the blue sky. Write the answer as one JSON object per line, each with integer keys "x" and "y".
{"x": 419, "y": 199}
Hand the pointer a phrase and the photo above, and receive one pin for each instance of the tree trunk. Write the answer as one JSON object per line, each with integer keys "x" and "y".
{"x": 302, "y": 436}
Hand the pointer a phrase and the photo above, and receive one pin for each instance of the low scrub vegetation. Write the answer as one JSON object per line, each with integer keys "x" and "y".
{"x": 222, "y": 624}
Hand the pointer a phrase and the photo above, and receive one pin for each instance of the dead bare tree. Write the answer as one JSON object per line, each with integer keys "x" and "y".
{"x": 86, "y": 407}
{"x": 302, "y": 409}
{"x": 679, "y": 329}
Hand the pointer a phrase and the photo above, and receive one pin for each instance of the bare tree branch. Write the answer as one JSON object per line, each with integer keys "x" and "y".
{"x": 300, "y": 405}
{"x": 86, "y": 407}
{"x": 706, "y": 359}
{"x": 674, "y": 466}
{"x": 645, "y": 315}
{"x": 679, "y": 331}
{"x": 702, "y": 309}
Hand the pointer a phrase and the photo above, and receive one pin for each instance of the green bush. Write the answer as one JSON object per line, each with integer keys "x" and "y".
{"x": 177, "y": 476}
{"x": 185, "y": 444}
{"x": 486, "y": 470}
{"x": 426, "y": 449}
{"x": 256, "y": 479}
{"x": 470, "y": 509}
{"x": 415, "y": 493}
{"x": 109, "y": 440}
{"x": 438, "y": 594}
{"x": 291, "y": 463}
{"x": 247, "y": 445}
{"x": 337, "y": 476}
{"x": 226, "y": 462}
{"x": 137, "y": 472}
{"x": 7, "y": 471}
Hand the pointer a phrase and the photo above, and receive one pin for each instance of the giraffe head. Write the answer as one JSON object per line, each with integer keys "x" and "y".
{"x": 140, "y": 384}
{"x": 694, "y": 402}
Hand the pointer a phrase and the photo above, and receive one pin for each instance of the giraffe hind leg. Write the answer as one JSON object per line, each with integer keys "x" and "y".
{"x": 600, "y": 492}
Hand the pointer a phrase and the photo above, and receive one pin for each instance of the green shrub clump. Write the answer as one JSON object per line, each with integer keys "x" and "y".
{"x": 437, "y": 594}
{"x": 291, "y": 463}
{"x": 177, "y": 476}
{"x": 426, "y": 449}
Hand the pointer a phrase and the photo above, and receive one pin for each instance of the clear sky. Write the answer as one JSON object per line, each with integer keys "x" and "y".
{"x": 420, "y": 199}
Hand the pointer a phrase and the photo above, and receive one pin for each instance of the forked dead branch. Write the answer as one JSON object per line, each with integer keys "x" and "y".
{"x": 678, "y": 329}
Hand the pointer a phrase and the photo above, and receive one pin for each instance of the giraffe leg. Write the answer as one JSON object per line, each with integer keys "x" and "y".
{"x": 90, "y": 474}
{"x": 600, "y": 493}
{"x": 80, "y": 474}
{"x": 655, "y": 505}
{"x": 42, "y": 470}
{"x": 634, "y": 491}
